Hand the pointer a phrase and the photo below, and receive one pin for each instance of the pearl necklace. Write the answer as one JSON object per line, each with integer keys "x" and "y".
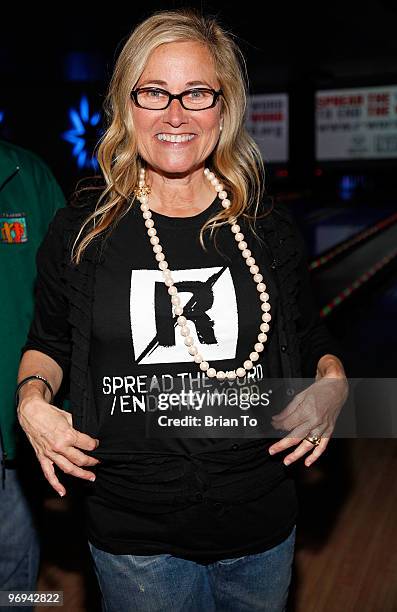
{"x": 142, "y": 194}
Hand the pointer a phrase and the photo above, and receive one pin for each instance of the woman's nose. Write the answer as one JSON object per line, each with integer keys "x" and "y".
{"x": 175, "y": 113}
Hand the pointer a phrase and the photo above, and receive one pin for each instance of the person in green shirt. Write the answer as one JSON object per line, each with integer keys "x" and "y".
{"x": 29, "y": 198}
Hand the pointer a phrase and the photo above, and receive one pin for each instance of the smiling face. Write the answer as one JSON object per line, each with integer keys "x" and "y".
{"x": 177, "y": 67}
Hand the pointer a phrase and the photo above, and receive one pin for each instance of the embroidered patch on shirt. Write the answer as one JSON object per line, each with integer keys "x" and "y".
{"x": 13, "y": 228}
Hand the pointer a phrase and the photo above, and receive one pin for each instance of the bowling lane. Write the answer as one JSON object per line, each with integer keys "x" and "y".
{"x": 367, "y": 330}
{"x": 326, "y": 228}
{"x": 331, "y": 280}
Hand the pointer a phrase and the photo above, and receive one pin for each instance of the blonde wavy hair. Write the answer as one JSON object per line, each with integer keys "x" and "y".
{"x": 236, "y": 159}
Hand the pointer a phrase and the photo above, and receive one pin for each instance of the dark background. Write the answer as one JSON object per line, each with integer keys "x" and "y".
{"x": 50, "y": 56}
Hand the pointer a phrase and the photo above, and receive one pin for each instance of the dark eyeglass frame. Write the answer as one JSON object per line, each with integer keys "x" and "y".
{"x": 134, "y": 96}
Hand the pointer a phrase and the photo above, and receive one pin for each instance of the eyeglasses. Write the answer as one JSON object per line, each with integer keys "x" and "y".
{"x": 153, "y": 98}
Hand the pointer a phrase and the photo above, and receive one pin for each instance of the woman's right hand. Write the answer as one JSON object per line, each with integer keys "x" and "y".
{"x": 50, "y": 431}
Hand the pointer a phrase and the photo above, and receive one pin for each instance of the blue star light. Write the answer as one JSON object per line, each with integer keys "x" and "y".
{"x": 84, "y": 130}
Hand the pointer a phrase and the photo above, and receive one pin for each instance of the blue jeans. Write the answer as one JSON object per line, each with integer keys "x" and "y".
{"x": 161, "y": 583}
{"x": 19, "y": 542}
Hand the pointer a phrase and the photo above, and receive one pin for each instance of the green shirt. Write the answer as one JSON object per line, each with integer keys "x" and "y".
{"x": 29, "y": 198}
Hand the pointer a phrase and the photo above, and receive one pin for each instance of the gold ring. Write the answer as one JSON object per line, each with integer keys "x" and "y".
{"x": 313, "y": 439}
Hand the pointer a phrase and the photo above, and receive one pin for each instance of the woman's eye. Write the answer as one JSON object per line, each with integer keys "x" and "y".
{"x": 153, "y": 93}
{"x": 197, "y": 94}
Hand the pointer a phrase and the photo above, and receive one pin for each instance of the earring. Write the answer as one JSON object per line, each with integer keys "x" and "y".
{"x": 221, "y": 127}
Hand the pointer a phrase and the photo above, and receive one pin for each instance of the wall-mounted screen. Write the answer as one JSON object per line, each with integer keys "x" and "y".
{"x": 356, "y": 123}
{"x": 267, "y": 123}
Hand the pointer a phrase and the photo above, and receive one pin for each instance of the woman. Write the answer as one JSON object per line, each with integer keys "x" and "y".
{"x": 134, "y": 296}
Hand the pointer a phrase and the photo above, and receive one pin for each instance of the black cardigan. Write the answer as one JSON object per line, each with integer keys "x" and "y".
{"x": 61, "y": 327}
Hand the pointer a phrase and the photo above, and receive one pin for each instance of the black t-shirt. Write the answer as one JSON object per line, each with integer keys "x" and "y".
{"x": 201, "y": 498}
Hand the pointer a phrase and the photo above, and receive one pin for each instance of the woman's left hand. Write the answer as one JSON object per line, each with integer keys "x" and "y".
{"x": 313, "y": 411}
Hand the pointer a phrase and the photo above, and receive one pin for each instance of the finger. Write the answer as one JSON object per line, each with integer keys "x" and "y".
{"x": 49, "y": 473}
{"x": 304, "y": 447}
{"x": 292, "y": 439}
{"x": 69, "y": 468}
{"x": 84, "y": 441}
{"x": 78, "y": 458}
{"x": 320, "y": 448}
{"x": 317, "y": 452}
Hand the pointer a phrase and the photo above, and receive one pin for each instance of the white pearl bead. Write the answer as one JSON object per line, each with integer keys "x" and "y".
{"x": 144, "y": 207}
{"x": 250, "y": 261}
{"x": 211, "y": 372}
{"x": 210, "y": 176}
{"x": 206, "y": 171}
{"x": 163, "y": 265}
{"x": 254, "y": 269}
{"x": 264, "y": 296}
{"x": 168, "y": 281}
{"x": 176, "y": 300}
{"x": 242, "y": 245}
{"x": 192, "y": 350}
{"x": 184, "y": 330}
{"x": 246, "y": 253}
{"x": 254, "y": 356}
{"x": 147, "y": 214}
{"x": 198, "y": 358}
{"x": 258, "y": 278}
{"x": 152, "y": 231}
{"x": 239, "y": 236}
{"x": 178, "y": 310}
{"x": 188, "y": 341}
{"x": 172, "y": 290}
{"x": 262, "y": 337}
{"x": 231, "y": 375}
{"x": 264, "y": 327}
{"x": 218, "y": 186}
{"x": 261, "y": 287}
{"x": 226, "y": 203}
{"x": 154, "y": 240}
{"x": 204, "y": 365}
{"x": 221, "y": 375}
{"x": 222, "y": 195}
{"x": 181, "y": 320}
{"x": 144, "y": 199}
{"x": 248, "y": 364}
{"x": 235, "y": 228}
{"x": 258, "y": 347}
{"x": 157, "y": 248}
{"x": 166, "y": 272}
{"x": 266, "y": 317}
{"x": 240, "y": 372}
{"x": 149, "y": 223}
{"x": 266, "y": 306}
{"x": 160, "y": 256}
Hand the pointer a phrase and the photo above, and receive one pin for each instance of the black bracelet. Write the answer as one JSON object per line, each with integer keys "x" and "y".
{"x": 33, "y": 377}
